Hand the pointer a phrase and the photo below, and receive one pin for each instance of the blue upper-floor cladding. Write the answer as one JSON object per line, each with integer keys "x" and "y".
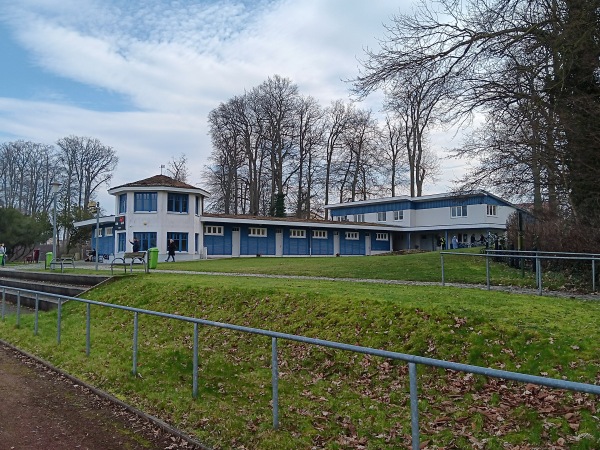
{"x": 417, "y": 203}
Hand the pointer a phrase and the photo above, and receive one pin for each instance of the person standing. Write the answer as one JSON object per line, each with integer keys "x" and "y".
{"x": 136, "y": 245}
{"x": 454, "y": 242}
{"x": 3, "y": 254}
{"x": 171, "y": 247}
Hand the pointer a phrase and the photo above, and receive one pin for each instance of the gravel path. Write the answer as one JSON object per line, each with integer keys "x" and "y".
{"x": 43, "y": 408}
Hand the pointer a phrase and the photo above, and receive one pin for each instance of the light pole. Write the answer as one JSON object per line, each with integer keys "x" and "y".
{"x": 95, "y": 206}
{"x": 97, "y": 233}
{"x": 55, "y": 187}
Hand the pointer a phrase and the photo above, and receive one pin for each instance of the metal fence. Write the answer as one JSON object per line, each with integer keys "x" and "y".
{"x": 536, "y": 257}
{"x": 412, "y": 360}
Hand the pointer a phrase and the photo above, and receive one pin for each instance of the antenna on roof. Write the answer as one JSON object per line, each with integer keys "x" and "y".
{"x": 162, "y": 166}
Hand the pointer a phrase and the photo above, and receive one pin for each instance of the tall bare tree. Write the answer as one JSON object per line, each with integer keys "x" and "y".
{"x": 178, "y": 168}
{"x": 480, "y": 43}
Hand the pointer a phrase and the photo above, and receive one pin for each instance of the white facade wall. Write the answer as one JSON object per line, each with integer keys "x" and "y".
{"x": 162, "y": 222}
{"x": 441, "y": 218}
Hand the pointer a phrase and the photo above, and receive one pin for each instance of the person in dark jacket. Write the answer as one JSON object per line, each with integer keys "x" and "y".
{"x": 171, "y": 250}
{"x": 136, "y": 245}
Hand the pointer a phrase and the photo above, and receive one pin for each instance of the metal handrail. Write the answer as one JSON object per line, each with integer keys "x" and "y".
{"x": 520, "y": 254}
{"x": 412, "y": 360}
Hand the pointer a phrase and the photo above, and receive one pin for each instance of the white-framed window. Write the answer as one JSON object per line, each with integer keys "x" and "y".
{"x": 319, "y": 234}
{"x": 359, "y": 217}
{"x": 381, "y": 237}
{"x": 341, "y": 218}
{"x": 399, "y": 215}
{"x": 257, "y": 232}
{"x": 352, "y": 235}
{"x": 108, "y": 231}
{"x": 381, "y": 216}
{"x": 492, "y": 210}
{"x": 97, "y": 232}
{"x": 213, "y": 230}
{"x": 458, "y": 211}
{"x": 297, "y": 234}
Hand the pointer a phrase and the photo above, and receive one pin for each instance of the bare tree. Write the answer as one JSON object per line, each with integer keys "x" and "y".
{"x": 28, "y": 168}
{"x": 337, "y": 117}
{"x": 278, "y": 101}
{"x": 310, "y": 140}
{"x": 480, "y": 43}
{"x": 178, "y": 168}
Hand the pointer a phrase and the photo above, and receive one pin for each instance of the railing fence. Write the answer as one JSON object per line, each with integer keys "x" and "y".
{"x": 522, "y": 255}
{"x": 412, "y": 360}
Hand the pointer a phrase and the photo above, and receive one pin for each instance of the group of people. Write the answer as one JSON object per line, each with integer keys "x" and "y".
{"x": 492, "y": 240}
{"x": 171, "y": 248}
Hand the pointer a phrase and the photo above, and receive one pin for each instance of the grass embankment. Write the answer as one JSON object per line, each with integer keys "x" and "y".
{"x": 466, "y": 266}
{"x": 330, "y": 398}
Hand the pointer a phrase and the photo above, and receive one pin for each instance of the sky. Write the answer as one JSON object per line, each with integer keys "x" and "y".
{"x": 142, "y": 76}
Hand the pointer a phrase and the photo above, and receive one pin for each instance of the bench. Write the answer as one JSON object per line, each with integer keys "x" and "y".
{"x": 62, "y": 261}
{"x": 129, "y": 260}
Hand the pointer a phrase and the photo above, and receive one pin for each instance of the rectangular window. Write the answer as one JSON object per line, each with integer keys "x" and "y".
{"x": 398, "y": 215}
{"x": 98, "y": 232}
{"x": 213, "y": 230}
{"x": 352, "y": 235}
{"x": 144, "y": 201}
{"x": 177, "y": 203}
{"x": 197, "y": 202}
{"x": 359, "y": 218}
{"x": 298, "y": 234}
{"x": 492, "y": 210}
{"x": 458, "y": 211}
{"x": 108, "y": 231}
{"x": 381, "y": 237}
{"x": 180, "y": 239}
{"x": 257, "y": 232}
{"x": 319, "y": 234}
{"x": 122, "y": 203}
{"x": 147, "y": 240}
{"x": 121, "y": 246}
{"x": 381, "y": 216}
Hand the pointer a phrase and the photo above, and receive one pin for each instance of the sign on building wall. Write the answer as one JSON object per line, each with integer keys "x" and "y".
{"x": 119, "y": 223}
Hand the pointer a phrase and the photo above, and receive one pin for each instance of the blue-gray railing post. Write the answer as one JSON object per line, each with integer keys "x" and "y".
{"x": 88, "y": 326}
{"x": 538, "y": 266}
{"x": 18, "y": 309}
{"x": 3, "y": 301}
{"x": 593, "y": 275}
{"x": 487, "y": 270}
{"x": 195, "y": 370}
{"x": 443, "y": 278}
{"x": 135, "y": 342}
{"x": 275, "y": 383}
{"x": 37, "y": 309}
{"x": 414, "y": 406}
{"x": 58, "y": 320}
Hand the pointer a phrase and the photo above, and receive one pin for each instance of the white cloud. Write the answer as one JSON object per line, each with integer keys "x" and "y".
{"x": 175, "y": 61}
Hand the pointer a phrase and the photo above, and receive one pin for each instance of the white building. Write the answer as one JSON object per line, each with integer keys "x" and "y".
{"x": 159, "y": 208}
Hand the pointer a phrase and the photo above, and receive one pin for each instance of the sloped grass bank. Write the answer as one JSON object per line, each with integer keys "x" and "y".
{"x": 466, "y": 266}
{"x": 334, "y": 399}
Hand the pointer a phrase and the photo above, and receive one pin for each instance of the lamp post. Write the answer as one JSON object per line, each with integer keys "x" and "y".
{"x": 95, "y": 207}
{"x": 97, "y": 232}
{"x": 55, "y": 187}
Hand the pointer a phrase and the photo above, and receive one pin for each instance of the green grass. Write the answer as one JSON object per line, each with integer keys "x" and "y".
{"x": 466, "y": 267}
{"x": 329, "y": 398}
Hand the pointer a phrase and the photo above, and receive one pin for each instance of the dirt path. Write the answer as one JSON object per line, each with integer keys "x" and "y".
{"x": 43, "y": 409}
